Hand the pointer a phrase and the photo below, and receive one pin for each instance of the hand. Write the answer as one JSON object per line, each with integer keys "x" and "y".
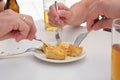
{"x": 54, "y": 16}
{"x": 76, "y": 15}
{"x": 108, "y": 8}
{"x": 18, "y": 26}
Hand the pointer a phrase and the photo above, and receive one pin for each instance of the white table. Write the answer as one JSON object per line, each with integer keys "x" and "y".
{"x": 95, "y": 66}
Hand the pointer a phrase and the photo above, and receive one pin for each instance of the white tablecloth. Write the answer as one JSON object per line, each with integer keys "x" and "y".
{"x": 95, "y": 66}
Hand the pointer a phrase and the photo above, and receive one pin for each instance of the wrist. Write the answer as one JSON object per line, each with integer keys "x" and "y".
{"x": 79, "y": 13}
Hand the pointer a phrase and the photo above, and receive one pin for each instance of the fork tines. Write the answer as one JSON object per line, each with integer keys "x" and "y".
{"x": 57, "y": 36}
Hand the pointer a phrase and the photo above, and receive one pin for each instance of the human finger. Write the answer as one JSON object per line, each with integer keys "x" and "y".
{"x": 64, "y": 14}
{"x": 52, "y": 22}
{"x": 52, "y": 12}
{"x": 90, "y": 21}
{"x": 61, "y": 6}
{"x": 30, "y": 22}
{"x": 22, "y": 30}
{"x": 32, "y": 32}
{"x": 93, "y": 15}
{"x": 55, "y": 23}
{"x": 107, "y": 23}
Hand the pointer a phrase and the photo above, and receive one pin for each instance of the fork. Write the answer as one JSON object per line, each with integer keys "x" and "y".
{"x": 37, "y": 50}
{"x": 57, "y": 36}
{"x": 28, "y": 50}
{"x": 40, "y": 41}
{"x": 80, "y": 38}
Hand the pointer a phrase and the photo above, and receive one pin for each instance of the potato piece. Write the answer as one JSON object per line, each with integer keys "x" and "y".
{"x": 55, "y": 53}
{"x": 61, "y": 50}
{"x": 76, "y": 51}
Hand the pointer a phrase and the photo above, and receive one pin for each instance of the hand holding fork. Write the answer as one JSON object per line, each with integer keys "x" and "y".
{"x": 57, "y": 36}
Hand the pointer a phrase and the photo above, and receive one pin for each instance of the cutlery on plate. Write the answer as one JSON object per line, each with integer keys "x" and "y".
{"x": 80, "y": 38}
{"x": 37, "y": 50}
{"x": 57, "y": 36}
{"x": 40, "y": 41}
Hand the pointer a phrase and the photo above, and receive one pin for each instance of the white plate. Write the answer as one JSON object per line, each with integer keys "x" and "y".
{"x": 8, "y": 51}
{"x": 41, "y": 56}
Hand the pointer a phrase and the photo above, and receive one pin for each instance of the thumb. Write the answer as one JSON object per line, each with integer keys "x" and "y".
{"x": 64, "y": 14}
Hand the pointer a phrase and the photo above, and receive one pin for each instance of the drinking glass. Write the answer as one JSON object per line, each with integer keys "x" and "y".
{"x": 46, "y": 5}
{"x": 116, "y": 49}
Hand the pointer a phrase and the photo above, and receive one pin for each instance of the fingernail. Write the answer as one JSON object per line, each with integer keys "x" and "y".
{"x": 17, "y": 37}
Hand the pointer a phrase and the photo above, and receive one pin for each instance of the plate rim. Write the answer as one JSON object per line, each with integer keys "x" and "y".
{"x": 72, "y": 59}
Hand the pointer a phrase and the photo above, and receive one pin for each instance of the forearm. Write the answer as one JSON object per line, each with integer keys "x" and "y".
{"x": 2, "y": 4}
{"x": 79, "y": 12}
{"x": 115, "y": 8}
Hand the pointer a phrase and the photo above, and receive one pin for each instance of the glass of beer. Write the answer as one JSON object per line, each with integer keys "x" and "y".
{"x": 116, "y": 49}
{"x": 46, "y": 5}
